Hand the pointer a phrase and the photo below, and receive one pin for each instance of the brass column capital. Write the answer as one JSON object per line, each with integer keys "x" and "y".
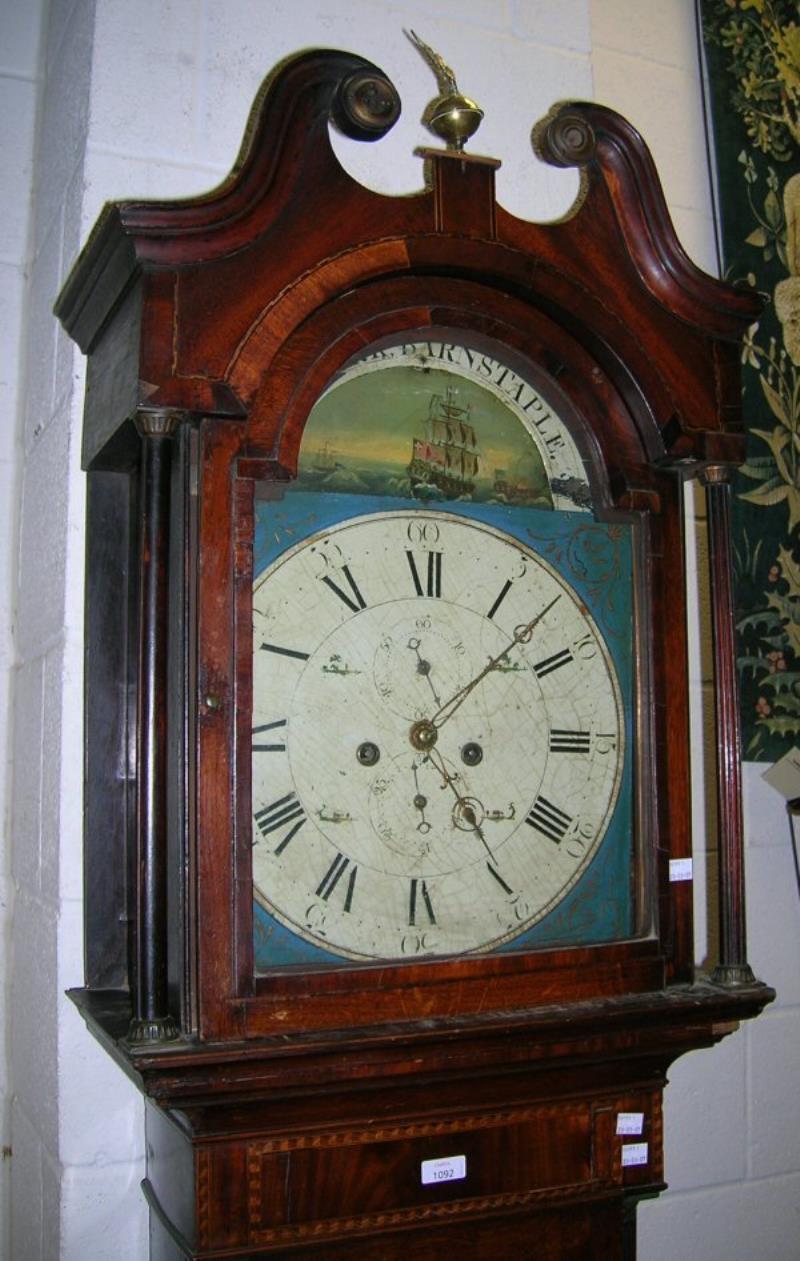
{"x": 161, "y": 422}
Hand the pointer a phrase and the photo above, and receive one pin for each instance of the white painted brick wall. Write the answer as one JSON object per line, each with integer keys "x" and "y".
{"x": 150, "y": 99}
{"x": 20, "y": 29}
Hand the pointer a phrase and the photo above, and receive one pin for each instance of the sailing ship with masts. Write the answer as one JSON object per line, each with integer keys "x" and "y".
{"x": 447, "y": 458}
{"x": 324, "y": 460}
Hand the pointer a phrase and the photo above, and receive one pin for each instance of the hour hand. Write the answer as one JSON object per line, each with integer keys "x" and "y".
{"x": 468, "y": 813}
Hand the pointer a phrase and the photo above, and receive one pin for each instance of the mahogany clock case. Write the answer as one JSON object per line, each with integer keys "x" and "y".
{"x": 213, "y": 327}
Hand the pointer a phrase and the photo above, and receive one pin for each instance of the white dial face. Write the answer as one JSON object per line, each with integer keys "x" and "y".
{"x": 437, "y": 737}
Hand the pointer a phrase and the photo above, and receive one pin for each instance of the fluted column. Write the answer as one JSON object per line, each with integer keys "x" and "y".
{"x": 733, "y": 968}
{"x": 151, "y": 1020}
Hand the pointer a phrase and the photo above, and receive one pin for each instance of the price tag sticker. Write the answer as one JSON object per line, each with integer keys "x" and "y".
{"x": 634, "y": 1154}
{"x": 680, "y": 869}
{"x": 445, "y": 1169}
{"x": 630, "y": 1122}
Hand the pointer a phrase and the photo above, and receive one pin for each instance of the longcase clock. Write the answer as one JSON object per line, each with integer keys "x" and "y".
{"x": 387, "y": 761}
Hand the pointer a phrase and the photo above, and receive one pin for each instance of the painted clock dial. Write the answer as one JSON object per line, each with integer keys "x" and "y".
{"x": 438, "y": 736}
{"x": 439, "y": 722}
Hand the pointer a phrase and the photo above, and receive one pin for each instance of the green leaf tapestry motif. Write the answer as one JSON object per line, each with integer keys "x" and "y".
{"x": 752, "y": 60}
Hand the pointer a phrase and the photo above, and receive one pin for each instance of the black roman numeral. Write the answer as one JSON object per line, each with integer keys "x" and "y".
{"x": 332, "y": 877}
{"x": 286, "y": 652}
{"x": 433, "y": 574}
{"x": 285, "y": 812}
{"x": 503, "y": 593}
{"x": 417, "y": 899}
{"x": 569, "y": 741}
{"x": 355, "y": 600}
{"x": 549, "y": 820}
{"x": 278, "y": 747}
{"x": 549, "y": 664}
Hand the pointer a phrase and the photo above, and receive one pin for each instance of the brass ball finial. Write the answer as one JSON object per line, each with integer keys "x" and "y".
{"x": 452, "y": 116}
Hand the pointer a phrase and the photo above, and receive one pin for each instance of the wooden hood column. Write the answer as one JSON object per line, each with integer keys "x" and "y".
{"x": 733, "y": 968}
{"x": 151, "y": 1021}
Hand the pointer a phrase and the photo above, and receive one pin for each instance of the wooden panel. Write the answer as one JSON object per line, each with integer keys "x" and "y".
{"x": 109, "y": 439}
{"x": 464, "y": 193}
{"x": 355, "y": 1179}
{"x": 171, "y": 1173}
{"x": 576, "y": 1232}
{"x": 110, "y": 712}
{"x": 331, "y": 1184}
{"x": 336, "y": 998}
{"x": 548, "y": 1173}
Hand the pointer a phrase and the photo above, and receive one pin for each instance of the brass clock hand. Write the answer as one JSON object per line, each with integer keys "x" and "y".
{"x": 437, "y": 762}
{"x": 522, "y": 635}
{"x": 464, "y": 805}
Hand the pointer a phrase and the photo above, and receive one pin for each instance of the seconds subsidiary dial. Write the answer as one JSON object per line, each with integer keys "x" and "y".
{"x": 438, "y": 737}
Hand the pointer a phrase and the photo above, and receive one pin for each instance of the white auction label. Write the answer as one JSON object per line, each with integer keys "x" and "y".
{"x": 634, "y": 1154}
{"x": 630, "y": 1122}
{"x": 445, "y": 1169}
{"x": 680, "y": 869}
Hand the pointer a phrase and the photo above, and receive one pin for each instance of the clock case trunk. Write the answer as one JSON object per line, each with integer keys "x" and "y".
{"x": 211, "y": 326}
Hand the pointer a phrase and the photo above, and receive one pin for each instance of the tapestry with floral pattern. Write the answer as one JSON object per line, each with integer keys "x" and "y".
{"x": 752, "y": 61}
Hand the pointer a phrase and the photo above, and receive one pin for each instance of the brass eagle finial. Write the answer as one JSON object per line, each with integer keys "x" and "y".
{"x": 452, "y": 116}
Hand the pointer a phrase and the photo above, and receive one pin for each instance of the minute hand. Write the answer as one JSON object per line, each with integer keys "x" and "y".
{"x": 521, "y": 636}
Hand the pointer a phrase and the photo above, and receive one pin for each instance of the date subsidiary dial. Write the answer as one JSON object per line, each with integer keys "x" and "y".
{"x": 438, "y": 737}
